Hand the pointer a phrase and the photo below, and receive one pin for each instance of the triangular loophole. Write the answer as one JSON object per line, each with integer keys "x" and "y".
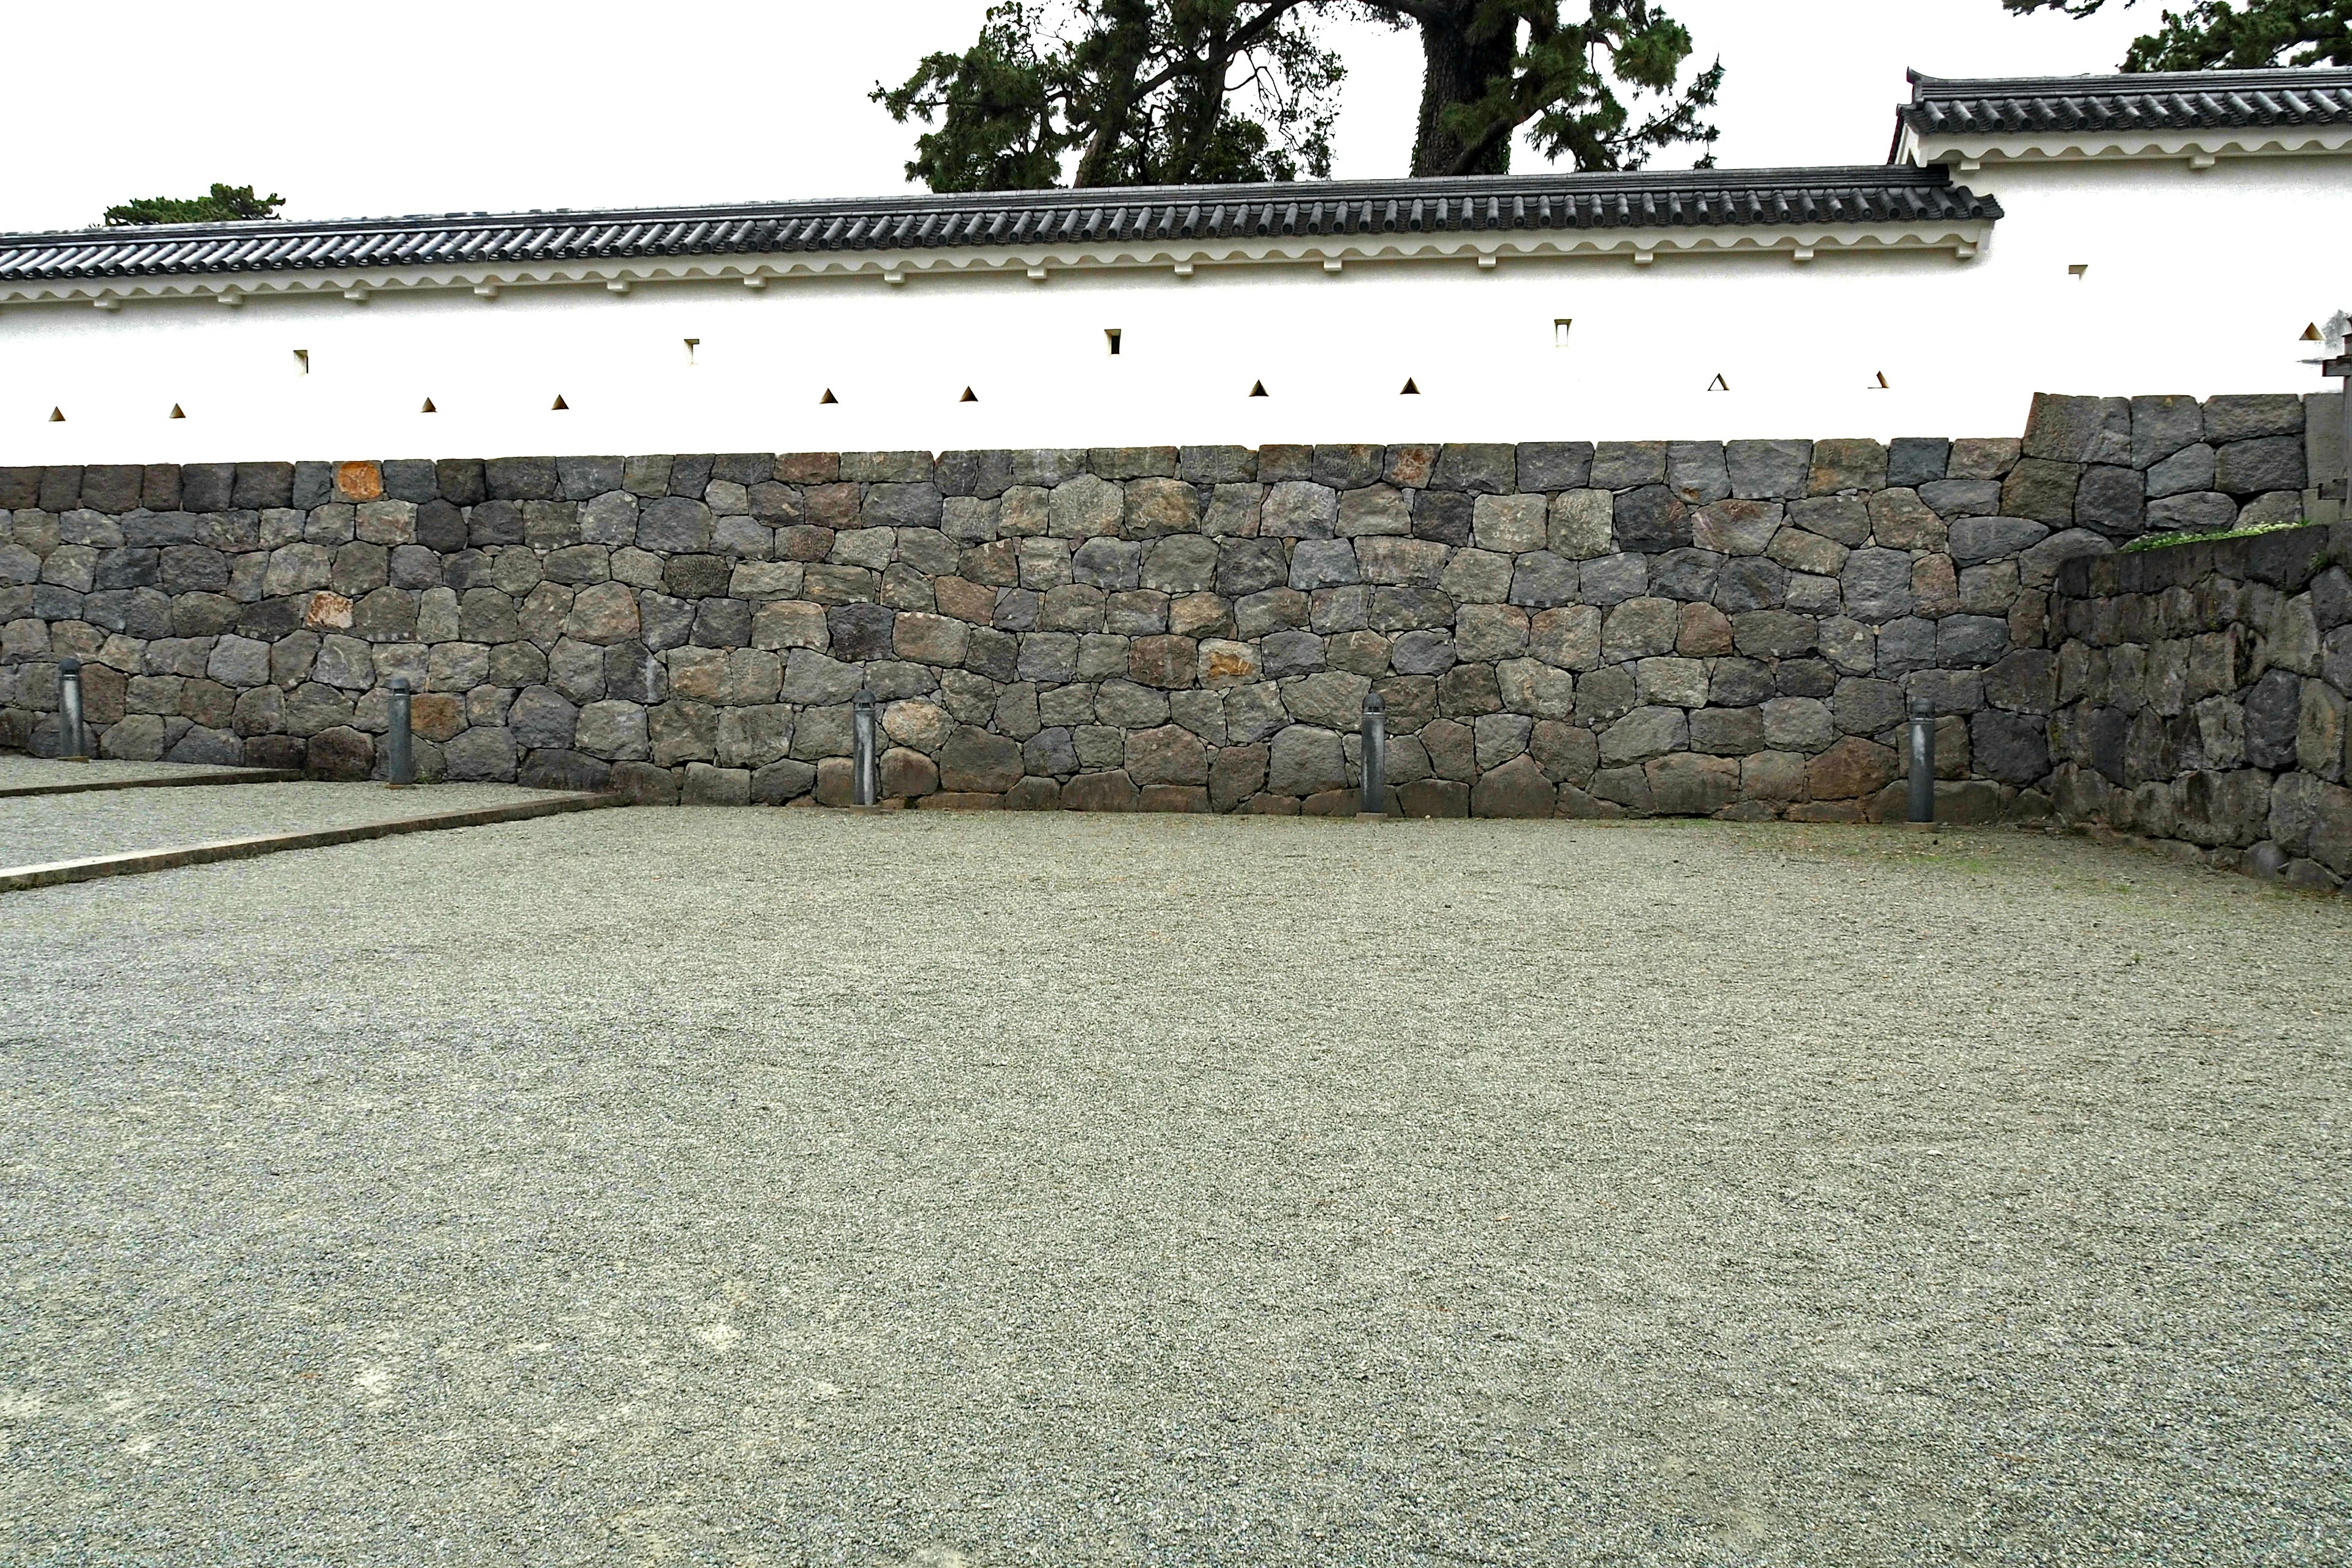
{"x": 428, "y": 407}
{"x": 828, "y": 396}
{"x": 2311, "y": 333}
{"x": 1409, "y": 389}
{"x": 1719, "y": 384}
{"x": 1882, "y": 385}
{"x": 1257, "y": 389}
{"x": 56, "y": 416}
{"x": 967, "y": 396}
{"x": 559, "y": 404}
{"x": 175, "y": 412}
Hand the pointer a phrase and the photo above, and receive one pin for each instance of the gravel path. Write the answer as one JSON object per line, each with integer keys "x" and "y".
{"x": 18, "y": 771}
{"x": 763, "y": 1187}
{"x": 36, "y": 829}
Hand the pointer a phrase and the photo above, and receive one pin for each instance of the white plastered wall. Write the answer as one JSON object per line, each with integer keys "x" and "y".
{"x": 2197, "y": 281}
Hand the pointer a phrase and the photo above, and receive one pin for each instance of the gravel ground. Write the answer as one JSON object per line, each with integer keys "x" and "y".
{"x": 782, "y": 1187}
{"x": 37, "y": 829}
{"x": 18, "y": 771}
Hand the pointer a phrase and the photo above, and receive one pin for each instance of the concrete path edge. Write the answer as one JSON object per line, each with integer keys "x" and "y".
{"x": 180, "y": 781}
{"x": 132, "y": 862}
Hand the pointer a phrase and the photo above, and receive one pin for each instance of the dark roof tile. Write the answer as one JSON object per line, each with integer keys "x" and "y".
{"x": 1694, "y": 198}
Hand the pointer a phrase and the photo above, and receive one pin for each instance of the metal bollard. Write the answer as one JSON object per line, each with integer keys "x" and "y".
{"x": 865, "y": 791}
{"x": 73, "y": 742}
{"x": 1375, "y": 801}
{"x": 399, "y": 754}
{"x": 1923, "y": 760}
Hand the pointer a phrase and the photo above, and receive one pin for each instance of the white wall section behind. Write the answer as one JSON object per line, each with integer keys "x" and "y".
{"x": 2195, "y": 282}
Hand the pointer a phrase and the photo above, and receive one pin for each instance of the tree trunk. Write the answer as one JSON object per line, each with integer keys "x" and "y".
{"x": 1458, "y": 66}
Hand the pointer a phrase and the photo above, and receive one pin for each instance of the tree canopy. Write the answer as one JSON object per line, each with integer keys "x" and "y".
{"x": 1148, "y": 92}
{"x": 1144, "y": 92}
{"x": 222, "y": 204}
{"x": 2213, "y": 35}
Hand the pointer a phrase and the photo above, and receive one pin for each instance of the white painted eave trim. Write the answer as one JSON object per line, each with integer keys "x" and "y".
{"x": 619, "y": 275}
{"x": 1968, "y": 153}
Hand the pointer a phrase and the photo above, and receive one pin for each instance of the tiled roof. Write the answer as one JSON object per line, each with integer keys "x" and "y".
{"x": 1219, "y": 214}
{"x": 2181, "y": 100}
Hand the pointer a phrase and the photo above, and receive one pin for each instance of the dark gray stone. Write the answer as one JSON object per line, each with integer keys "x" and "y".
{"x": 1540, "y": 580}
{"x": 1734, "y": 682}
{"x": 2201, "y": 512}
{"x": 1975, "y": 540}
{"x": 1915, "y": 460}
{"x": 1966, "y": 642}
{"x": 2250, "y": 467}
{"x": 1950, "y": 499}
{"x": 1768, "y": 470}
{"x": 1651, "y": 520}
{"x": 2162, "y": 426}
{"x": 723, "y": 622}
{"x": 1481, "y": 469}
{"x": 2250, "y": 416}
{"x": 1443, "y": 515}
{"x": 1250, "y": 565}
{"x": 1696, "y": 472}
{"x": 861, "y": 631}
{"x": 520, "y": 478}
{"x": 2010, "y": 747}
{"x": 1754, "y": 583}
{"x": 1905, "y": 646}
{"x": 1628, "y": 465}
{"x": 1685, "y": 575}
{"x": 2188, "y": 469}
{"x": 1612, "y": 579}
{"x": 2110, "y": 500}
{"x": 1550, "y": 465}
{"x": 2079, "y": 430}
{"x": 1877, "y": 584}
{"x": 2273, "y": 708}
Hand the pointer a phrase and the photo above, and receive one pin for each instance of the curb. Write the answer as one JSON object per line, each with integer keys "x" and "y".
{"x": 175, "y": 781}
{"x": 131, "y": 863}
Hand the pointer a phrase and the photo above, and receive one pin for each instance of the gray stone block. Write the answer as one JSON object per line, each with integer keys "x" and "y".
{"x": 2079, "y": 430}
{"x": 2163, "y": 426}
{"x": 2110, "y": 500}
{"x": 1767, "y": 470}
{"x": 1697, "y": 473}
{"x": 2251, "y": 467}
{"x": 2203, "y": 511}
{"x": 2252, "y": 415}
{"x": 2187, "y": 468}
{"x": 1877, "y": 584}
{"x": 2041, "y": 491}
{"x": 1951, "y": 499}
{"x": 2274, "y": 714}
{"x": 1541, "y": 580}
{"x": 1964, "y": 642}
{"x": 1628, "y": 465}
{"x": 1552, "y": 465}
{"x": 1483, "y": 469}
{"x": 1651, "y": 520}
{"x": 1915, "y": 460}
{"x": 1979, "y": 539}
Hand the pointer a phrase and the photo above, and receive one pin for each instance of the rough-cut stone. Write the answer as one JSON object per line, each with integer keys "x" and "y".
{"x": 2041, "y": 491}
{"x": 1516, "y": 788}
{"x": 1847, "y": 465}
{"x": 1768, "y": 470}
{"x": 1651, "y": 520}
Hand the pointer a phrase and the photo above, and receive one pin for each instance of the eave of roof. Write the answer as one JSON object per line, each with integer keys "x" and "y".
{"x": 2197, "y": 116}
{"x": 1637, "y": 215}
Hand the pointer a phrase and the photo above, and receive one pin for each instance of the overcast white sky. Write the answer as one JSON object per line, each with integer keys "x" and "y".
{"x": 505, "y": 105}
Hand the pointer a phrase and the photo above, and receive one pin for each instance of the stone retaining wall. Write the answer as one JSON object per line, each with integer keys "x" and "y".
{"x": 1644, "y": 628}
{"x": 2202, "y": 695}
